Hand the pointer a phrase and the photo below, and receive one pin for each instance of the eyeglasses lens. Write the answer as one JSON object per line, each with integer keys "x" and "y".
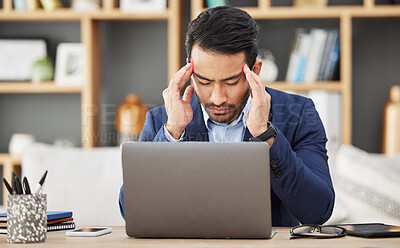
{"x": 317, "y": 231}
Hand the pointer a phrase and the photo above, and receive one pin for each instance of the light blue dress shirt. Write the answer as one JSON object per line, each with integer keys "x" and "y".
{"x": 221, "y": 132}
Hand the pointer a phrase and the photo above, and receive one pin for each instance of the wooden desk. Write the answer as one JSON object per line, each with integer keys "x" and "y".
{"x": 119, "y": 238}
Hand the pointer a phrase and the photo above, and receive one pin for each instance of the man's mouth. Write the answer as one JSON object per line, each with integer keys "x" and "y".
{"x": 219, "y": 111}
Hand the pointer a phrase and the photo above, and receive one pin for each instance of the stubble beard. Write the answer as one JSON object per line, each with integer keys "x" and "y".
{"x": 231, "y": 115}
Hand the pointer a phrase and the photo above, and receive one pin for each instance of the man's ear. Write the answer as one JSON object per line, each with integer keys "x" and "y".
{"x": 257, "y": 67}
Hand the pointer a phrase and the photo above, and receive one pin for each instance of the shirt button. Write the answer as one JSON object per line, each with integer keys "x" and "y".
{"x": 279, "y": 174}
{"x": 272, "y": 162}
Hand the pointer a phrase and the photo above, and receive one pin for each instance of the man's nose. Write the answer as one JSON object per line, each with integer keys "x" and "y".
{"x": 218, "y": 95}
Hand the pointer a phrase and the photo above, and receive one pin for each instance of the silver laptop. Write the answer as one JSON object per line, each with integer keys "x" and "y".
{"x": 197, "y": 190}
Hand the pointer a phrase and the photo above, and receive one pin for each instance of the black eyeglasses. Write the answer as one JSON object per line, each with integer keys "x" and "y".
{"x": 317, "y": 231}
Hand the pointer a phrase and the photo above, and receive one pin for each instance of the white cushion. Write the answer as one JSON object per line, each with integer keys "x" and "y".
{"x": 367, "y": 187}
{"x": 85, "y": 181}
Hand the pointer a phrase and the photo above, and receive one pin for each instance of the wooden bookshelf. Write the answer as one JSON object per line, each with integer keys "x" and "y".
{"x": 90, "y": 37}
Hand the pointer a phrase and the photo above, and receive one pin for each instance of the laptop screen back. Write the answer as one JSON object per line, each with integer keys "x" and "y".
{"x": 197, "y": 190}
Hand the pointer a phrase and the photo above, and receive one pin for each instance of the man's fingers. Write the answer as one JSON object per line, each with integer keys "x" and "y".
{"x": 189, "y": 92}
{"x": 258, "y": 80}
{"x": 185, "y": 78}
{"x": 253, "y": 85}
{"x": 182, "y": 75}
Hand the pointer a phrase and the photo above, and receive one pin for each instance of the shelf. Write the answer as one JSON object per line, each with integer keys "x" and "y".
{"x": 379, "y": 11}
{"x": 119, "y": 15}
{"x": 43, "y": 87}
{"x": 323, "y": 13}
{"x": 41, "y": 15}
{"x": 285, "y": 86}
{"x": 72, "y": 15}
{"x": 9, "y": 157}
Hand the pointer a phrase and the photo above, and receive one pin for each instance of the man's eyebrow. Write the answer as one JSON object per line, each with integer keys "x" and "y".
{"x": 225, "y": 79}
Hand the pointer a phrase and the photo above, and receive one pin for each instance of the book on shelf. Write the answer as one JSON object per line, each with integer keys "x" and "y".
{"x": 313, "y": 56}
{"x": 331, "y": 41}
{"x": 304, "y": 51}
{"x": 318, "y": 40}
{"x": 294, "y": 56}
{"x": 332, "y": 67}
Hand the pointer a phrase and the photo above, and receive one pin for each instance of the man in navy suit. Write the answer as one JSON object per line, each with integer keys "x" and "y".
{"x": 228, "y": 102}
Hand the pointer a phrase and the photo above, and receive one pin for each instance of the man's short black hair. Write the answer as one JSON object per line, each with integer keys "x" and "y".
{"x": 224, "y": 30}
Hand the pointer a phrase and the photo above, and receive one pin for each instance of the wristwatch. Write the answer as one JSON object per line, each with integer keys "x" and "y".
{"x": 271, "y": 132}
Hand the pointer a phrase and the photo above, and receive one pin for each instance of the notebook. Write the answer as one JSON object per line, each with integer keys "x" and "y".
{"x": 197, "y": 190}
{"x": 51, "y": 215}
{"x": 56, "y": 220}
{"x": 51, "y": 227}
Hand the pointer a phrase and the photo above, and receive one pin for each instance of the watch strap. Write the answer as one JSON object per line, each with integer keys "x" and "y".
{"x": 269, "y": 133}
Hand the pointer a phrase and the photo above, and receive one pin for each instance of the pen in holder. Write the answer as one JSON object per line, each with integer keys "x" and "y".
{"x": 26, "y": 218}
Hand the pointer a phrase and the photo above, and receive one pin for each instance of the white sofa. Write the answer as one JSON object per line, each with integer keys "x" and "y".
{"x": 367, "y": 187}
{"x": 85, "y": 181}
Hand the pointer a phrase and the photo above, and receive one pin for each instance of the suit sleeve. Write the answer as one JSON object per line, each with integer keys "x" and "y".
{"x": 152, "y": 132}
{"x": 304, "y": 184}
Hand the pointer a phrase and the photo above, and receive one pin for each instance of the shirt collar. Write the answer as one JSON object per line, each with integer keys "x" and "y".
{"x": 242, "y": 117}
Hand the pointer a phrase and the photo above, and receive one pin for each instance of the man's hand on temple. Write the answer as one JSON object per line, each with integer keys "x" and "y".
{"x": 257, "y": 118}
{"x": 179, "y": 111}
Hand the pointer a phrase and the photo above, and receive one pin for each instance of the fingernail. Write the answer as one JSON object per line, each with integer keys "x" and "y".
{"x": 243, "y": 66}
{"x": 192, "y": 63}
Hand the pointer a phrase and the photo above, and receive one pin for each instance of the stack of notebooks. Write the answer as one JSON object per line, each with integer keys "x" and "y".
{"x": 56, "y": 220}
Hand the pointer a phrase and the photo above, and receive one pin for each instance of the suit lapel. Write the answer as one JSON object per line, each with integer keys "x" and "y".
{"x": 247, "y": 135}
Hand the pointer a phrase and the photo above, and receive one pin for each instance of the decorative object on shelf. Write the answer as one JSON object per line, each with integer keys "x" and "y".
{"x": 19, "y": 142}
{"x": 70, "y": 64}
{"x": 33, "y": 5}
{"x": 391, "y": 123}
{"x": 143, "y": 5}
{"x": 310, "y": 3}
{"x": 42, "y": 70}
{"x": 20, "y": 5}
{"x": 86, "y": 5}
{"x": 216, "y": 3}
{"x": 17, "y": 57}
{"x": 51, "y": 5}
{"x": 130, "y": 117}
{"x": 269, "y": 70}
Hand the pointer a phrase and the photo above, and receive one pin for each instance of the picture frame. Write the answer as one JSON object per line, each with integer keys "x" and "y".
{"x": 70, "y": 64}
{"x": 143, "y": 5}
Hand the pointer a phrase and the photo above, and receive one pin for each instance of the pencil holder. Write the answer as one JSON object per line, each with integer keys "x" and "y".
{"x": 26, "y": 218}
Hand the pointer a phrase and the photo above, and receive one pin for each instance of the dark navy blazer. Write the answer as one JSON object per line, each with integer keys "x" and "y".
{"x": 302, "y": 191}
